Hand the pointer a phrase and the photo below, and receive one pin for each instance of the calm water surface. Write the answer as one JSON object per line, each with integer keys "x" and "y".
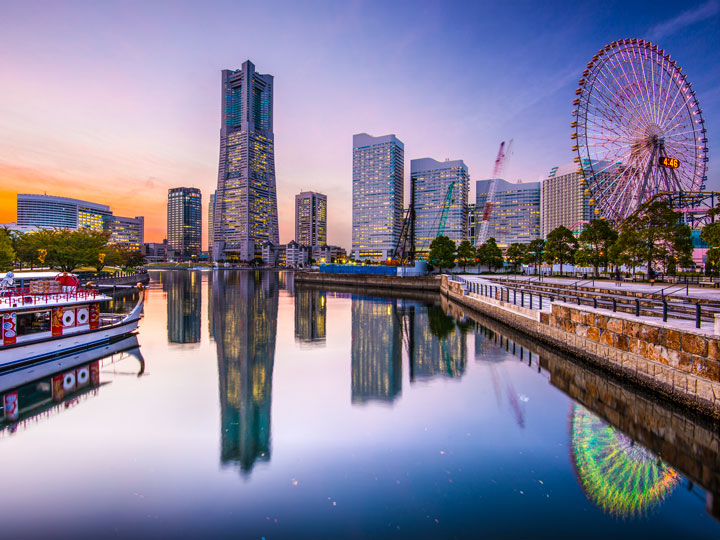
{"x": 259, "y": 409}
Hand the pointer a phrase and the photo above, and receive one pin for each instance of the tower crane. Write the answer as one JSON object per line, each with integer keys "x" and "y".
{"x": 501, "y": 162}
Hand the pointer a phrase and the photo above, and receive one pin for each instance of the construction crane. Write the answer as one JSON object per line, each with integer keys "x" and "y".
{"x": 500, "y": 164}
{"x": 404, "y": 253}
{"x": 405, "y": 249}
{"x": 445, "y": 209}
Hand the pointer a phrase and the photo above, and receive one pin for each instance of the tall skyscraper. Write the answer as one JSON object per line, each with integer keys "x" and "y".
{"x": 378, "y": 169}
{"x": 211, "y": 220}
{"x": 310, "y": 218}
{"x": 184, "y": 222}
{"x": 432, "y": 182}
{"x": 246, "y": 203}
{"x": 514, "y": 215}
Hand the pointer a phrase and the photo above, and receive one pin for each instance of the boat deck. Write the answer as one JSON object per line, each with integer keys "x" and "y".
{"x": 25, "y": 298}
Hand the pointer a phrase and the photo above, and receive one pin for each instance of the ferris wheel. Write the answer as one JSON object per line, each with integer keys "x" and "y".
{"x": 638, "y": 129}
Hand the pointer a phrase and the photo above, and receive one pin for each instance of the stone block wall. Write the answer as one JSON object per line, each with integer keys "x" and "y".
{"x": 688, "y": 351}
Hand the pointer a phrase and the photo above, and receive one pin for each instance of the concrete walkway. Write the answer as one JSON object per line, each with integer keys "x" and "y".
{"x": 675, "y": 290}
{"x": 681, "y": 324}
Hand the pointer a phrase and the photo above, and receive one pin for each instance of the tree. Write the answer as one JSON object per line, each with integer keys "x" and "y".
{"x": 7, "y": 253}
{"x": 442, "y": 253}
{"x": 626, "y": 250}
{"x": 595, "y": 243}
{"x": 26, "y": 248}
{"x": 490, "y": 254}
{"x": 516, "y": 254}
{"x": 654, "y": 234}
{"x": 61, "y": 248}
{"x": 560, "y": 247}
{"x": 466, "y": 254}
{"x": 535, "y": 254}
{"x": 135, "y": 258}
{"x": 441, "y": 325}
{"x": 711, "y": 236}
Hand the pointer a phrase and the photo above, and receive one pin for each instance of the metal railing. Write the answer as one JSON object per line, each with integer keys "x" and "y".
{"x": 645, "y": 308}
{"x": 23, "y": 297}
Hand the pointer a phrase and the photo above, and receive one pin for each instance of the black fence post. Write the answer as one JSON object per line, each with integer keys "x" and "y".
{"x": 614, "y": 305}
{"x": 594, "y": 302}
{"x": 578, "y": 300}
{"x": 522, "y": 298}
{"x": 697, "y": 315}
{"x": 530, "y": 300}
{"x": 665, "y": 307}
{"x": 637, "y": 307}
{"x": 540, "y": 301}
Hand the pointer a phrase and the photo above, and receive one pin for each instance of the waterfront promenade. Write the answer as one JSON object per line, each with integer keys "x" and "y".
{"x": 672, "y": 358}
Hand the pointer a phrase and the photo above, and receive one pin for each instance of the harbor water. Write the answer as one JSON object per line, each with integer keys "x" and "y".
{"x": 251, "y": 407}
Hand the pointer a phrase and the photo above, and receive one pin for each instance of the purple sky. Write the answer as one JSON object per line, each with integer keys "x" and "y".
{"x": 116, "y": 102}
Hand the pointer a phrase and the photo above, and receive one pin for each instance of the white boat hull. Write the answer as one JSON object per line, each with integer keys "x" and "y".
{"x": 25, "y": 354}
{"x": 39, "y": 370}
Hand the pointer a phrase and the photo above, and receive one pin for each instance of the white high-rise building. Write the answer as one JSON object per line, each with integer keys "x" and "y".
{"x": 378, "y": 168}
{"x": 565, "y": 199}
{"x": 432, "y": 183}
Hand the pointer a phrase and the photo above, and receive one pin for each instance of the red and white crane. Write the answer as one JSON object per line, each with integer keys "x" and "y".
{"x": 501, "y": 162}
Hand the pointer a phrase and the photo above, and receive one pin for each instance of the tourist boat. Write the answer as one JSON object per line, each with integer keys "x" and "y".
{"x": 51, "y": 318}
{"x": 40, "y": 390}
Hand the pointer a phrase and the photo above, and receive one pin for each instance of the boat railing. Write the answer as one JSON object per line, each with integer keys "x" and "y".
{"x": 18, "y": 297}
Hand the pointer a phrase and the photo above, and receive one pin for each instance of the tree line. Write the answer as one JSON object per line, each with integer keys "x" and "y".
{"x": 653, "y": 237}
{"x": 64, "y": 250}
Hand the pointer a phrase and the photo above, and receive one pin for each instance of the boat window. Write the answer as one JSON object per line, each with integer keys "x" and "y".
{"x": 32, "y": 323}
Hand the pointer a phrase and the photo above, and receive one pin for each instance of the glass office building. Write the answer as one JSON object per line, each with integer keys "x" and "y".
{"x": 377, "y": 214}
{"x": 432, "y": 182}
{"x": 49, "y": 211}
{"x": 126, "y": 232}
{"x": 310, "y": 219}
{"x": 513, "y": 216}
{"x": 184, "y": 222}
{"x": 246, "y": 203}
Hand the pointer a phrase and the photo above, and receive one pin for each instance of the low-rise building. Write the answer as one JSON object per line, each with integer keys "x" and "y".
{"x": 156, "y": 251}
{"x": 328, "y": 254}
{"x": 296, "y": 256}
{"x": 126, "y": 232}
{"x": 274, "y": 255}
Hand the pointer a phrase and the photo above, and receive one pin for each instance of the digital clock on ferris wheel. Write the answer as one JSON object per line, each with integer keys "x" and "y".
{"x": 670, "y": 162}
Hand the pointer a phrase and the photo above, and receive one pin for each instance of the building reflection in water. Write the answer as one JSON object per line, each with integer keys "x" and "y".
{"x": 440, "y": 347}
{"x": 184, "y": 296}
{"x": 382, "y": 328}
{"x": 310, "y": 316}
{"x": 617, "y": 474}
{"x": 376, "y": 350}
{"x": 245, "y": 309}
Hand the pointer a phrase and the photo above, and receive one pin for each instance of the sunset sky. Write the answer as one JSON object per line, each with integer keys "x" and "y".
{"x": 115, "y": 102}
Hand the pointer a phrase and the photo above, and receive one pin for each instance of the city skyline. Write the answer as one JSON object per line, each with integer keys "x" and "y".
{"x": 161, "y": 131}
